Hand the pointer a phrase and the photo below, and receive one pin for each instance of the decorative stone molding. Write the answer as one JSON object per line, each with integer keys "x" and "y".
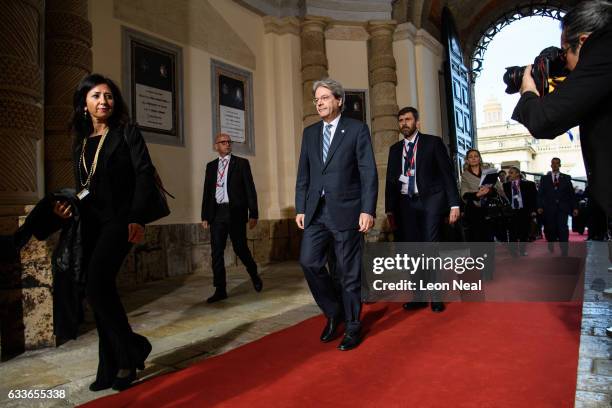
{"x": 427, "y": 40}
{"x": 280, "y": 26}
{"x": 68, "y": 59}
{"x": 405, "y": 31}
{"x": 314, "y": 62}
{"x": 347, "y": 31}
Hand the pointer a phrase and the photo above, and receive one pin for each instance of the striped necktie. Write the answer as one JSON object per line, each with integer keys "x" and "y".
{"x": 326, "y": 140}
{"x": 221, "y": 169}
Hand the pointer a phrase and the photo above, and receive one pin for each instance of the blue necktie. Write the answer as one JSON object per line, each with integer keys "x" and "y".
{"x": 407, "y": 166}
{"x": 326, "y": 140}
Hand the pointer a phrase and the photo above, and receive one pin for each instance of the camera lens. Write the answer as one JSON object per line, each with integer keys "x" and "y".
{"x": 513, "y": 78}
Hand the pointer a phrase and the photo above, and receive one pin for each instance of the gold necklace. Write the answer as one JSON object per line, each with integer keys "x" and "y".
{"x": 94, "y": 163}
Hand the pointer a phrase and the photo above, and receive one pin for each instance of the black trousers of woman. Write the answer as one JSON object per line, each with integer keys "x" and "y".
{"x": 105, "y": 247}
{"x": 480, "y": 228}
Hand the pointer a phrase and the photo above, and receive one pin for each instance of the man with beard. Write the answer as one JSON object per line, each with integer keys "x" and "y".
{"x": 420, "y": 187}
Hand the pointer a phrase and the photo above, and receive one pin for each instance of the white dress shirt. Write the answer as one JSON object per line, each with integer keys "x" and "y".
{"x": 223, "y": 181}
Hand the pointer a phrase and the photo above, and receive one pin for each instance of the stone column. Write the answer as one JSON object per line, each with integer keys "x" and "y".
{"x": 21, "y": 181}
{"x": 383, "y": 102}
{"x": 67, "y": 60}
{"x": 21, "y": 100}
{"x": 314, "y": 61}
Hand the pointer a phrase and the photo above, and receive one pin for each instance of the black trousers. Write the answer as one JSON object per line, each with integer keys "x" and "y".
{"x": 221, "y": 227}
{"x": 518, "y": 228}
{"x": 480, "y": 229}
{"x": 105, "y": 247}
{"x": 556, "y": 229}
{"x": 417, "y": 223}
{"x": 347, "y": 247}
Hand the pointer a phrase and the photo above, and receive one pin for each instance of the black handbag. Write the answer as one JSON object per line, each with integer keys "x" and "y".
{"x": 156, "y": 200}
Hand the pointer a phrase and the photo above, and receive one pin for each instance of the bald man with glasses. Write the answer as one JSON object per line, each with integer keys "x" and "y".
{"x": 229, "y": 202}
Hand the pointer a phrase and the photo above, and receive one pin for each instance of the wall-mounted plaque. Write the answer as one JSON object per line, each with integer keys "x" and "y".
{"x": 232, "y": 105}
{"x": 153, "y": 86}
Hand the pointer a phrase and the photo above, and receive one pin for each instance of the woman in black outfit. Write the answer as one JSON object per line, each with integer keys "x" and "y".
{"x": 108, "y": 180}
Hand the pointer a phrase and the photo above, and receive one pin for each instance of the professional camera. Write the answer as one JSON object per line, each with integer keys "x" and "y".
{"x": 549, "y": 65}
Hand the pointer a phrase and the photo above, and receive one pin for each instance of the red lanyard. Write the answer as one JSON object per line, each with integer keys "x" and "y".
{"x": 221, "y": 172}
{"x": 414, "y": 150}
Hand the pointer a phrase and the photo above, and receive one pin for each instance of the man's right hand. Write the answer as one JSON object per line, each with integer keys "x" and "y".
{"x": 540, "y": 211}
{"x": 299, "y": 220}
{"x": 205, "y": 224}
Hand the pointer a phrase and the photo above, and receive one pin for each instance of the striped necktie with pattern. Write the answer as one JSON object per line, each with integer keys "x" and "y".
{"x": 326, "y": 140}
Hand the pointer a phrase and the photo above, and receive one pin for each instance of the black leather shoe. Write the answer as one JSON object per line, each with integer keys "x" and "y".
{"x": 257, "y": 283}
{"x": 329, "y": 331}
{"x": 437, "y": 307}
{"x": 349, "y": 341}
{"x": 122, "y": 383}
{"x": 219, "y": 295}
{"x": 99, "y": 386}
{"x": 414, "y": 305}
{"x": 146, "y": 350}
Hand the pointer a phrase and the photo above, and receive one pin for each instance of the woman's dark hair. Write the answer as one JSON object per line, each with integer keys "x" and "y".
{"x": 81, "y": 123}
{"x": 584, "y": 18}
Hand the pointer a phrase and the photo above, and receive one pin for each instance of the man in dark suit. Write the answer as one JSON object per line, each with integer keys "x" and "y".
{"x": 420, "y": 187}
{"x": 335, "y": 198}
{"x": 523, "y": 198}
{"x": 584, "y": 98}
{"x": 556, "y": 200}
{"x": 228, "y": 203}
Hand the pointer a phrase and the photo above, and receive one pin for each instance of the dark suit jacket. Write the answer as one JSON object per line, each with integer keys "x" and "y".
{"x": 122, "y": 182}
{"x": 560, "y": 199}
{"x": 435, "y": 178}
{"x": 348, "y": 177}
{"x": 240, "y": 190}
{"x": 529, "y": 194}
{"x": 585, "y": 99}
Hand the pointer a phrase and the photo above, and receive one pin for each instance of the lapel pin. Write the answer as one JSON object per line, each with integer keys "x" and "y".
{"x": 342, "y": 131}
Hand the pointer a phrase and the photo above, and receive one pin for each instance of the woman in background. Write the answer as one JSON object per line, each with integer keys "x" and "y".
{"x": 480, "y": 226}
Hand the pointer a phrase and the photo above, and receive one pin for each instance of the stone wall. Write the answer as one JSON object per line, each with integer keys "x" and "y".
{"x": 182, "y": 249}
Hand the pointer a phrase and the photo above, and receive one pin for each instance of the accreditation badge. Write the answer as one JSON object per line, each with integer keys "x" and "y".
{"x": 82, "y": 194}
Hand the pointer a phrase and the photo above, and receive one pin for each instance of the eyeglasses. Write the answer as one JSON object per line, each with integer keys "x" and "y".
{"x": 324, "y": 98}
{"x": 225, "y": 142}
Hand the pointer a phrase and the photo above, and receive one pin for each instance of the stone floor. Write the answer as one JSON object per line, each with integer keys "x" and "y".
{"x": 594, "y": 379}
{"x": 181, "y": 326}
{"x": 184, "y": 329}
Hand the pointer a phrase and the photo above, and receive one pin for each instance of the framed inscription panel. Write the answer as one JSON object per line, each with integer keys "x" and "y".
{"x": 153, "y": 86}
{"x": 356, "y": 105}
{"x": 232, "y": 105}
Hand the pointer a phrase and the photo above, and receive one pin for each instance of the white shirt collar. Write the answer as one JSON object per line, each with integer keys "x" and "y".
{"x": 334, "y": 122}
{"x": 229, "y": 156}
{"x": 411, "y": 138}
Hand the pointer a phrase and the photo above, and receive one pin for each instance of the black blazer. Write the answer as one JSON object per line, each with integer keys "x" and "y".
{"x": 240, "y": 190}
{"x": 348, "y": 177}
{"x": 528, "y": 194}
{"x": 122, "y": 181}
{"x": 562, "y": 198}
{"x": 435, "y": 177}
{"x": 585, "y": 99}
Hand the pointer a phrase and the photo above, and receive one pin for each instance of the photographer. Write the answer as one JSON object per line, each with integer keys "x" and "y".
{"x": 584, "y": 98}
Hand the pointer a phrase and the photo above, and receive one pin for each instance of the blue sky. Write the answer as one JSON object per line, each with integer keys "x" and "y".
{"x": 516, "y": 44}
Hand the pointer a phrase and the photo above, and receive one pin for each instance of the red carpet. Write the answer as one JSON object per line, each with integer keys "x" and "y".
{"x": 472, "y": 355}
